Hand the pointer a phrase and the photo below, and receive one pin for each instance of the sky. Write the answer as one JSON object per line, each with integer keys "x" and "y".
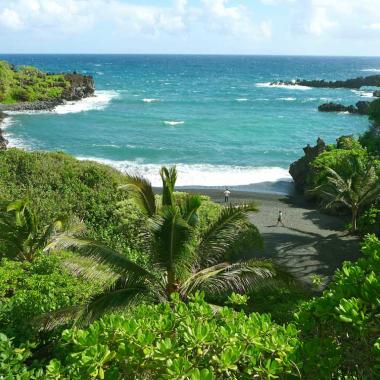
{"x": 284, "y": 27}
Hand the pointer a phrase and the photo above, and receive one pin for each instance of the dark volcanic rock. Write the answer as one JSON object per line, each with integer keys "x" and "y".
{"x": 376, "y": 94}
{"x": 31, "y": 106}
{"x": 361, "y": 108}
{"x": 356, "y": 83}
{"x": 82, "y": 86}
{"x": 3, "y": 140}
{"x": 334, "y": 107}
{"x": 300, "y": 169}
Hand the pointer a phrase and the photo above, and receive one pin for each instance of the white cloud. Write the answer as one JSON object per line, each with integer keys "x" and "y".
{"x": 337, "y": 18}
{"x": 10, "y": 19}
{"x": 234, "y": 19}
{"x": 131, "y": 18}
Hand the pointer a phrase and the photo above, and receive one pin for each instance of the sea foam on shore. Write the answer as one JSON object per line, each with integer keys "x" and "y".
{"x": 97, "y": 102}
{"x": 202, "y": 174}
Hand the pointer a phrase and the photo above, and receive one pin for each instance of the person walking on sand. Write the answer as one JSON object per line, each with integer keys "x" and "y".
{"x": 279, "y": 219}
{"x": 226, "y": 195}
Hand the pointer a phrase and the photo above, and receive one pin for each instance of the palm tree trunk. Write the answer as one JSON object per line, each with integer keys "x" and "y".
{"x": 354, "y": 219}
{"x": 172, "y": 286}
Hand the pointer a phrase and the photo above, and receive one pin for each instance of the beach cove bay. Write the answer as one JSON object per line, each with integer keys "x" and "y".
{"x": 215, "y": 117}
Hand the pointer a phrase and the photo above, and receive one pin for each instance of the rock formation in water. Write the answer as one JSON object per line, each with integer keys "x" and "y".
{"x": 3, "y": 140}
{"x": 361, "y": 108}
{"x": 356, "y": 83}
{"x": 300, "y": 169}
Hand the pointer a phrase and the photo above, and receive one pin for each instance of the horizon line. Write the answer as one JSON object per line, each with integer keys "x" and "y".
{"x": 207, "y": 54}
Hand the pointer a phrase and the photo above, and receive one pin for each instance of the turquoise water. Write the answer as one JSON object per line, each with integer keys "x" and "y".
{"x": 213, "y": 116}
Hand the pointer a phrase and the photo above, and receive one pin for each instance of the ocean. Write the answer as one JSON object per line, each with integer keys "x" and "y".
{"x": 215, "y": 117}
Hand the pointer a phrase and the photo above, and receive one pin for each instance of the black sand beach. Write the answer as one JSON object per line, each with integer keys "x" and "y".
{"x": 310, "y": 243}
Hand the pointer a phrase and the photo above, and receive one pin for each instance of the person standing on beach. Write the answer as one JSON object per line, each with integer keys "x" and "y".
{"x": 226, "y": 195}
{"x": 279, "y": 219}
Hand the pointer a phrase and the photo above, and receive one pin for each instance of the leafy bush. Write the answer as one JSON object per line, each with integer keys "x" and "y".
{"x": 340, "y": 329}
{"x": 28, "y": 290}
{"x": 29, "y": 84}
{"x": 371, "y": 140}
{"x": 369, "y": 222}
{"x": 13, "y": 361}
{"x": 179, "y": 341}
{"x": 374, "y": 112}
{"x": 58, "y": 185}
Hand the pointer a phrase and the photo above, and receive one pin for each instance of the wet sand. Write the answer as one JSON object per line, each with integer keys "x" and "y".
{"x": 310, "y": 243}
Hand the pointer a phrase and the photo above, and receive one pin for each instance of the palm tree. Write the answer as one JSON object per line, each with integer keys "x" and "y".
{"x": 354, "y": 191}
{"x": 182, "y": 258}
{"x": 22, "y": 234}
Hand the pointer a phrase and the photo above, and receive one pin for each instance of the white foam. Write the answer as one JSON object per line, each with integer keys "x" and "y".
{"x": 13, "y": 142}
{"x": 173, "y": 122}
{"x": 241, "y": 99}
{"x": 150, "y": 100}
{"x": 202, "y": 174}
{"x": 343, "y": 113}
{"x": 363, "y": 93}
{"x": 282, "y": 85}
{"x": 371, "y": 70}
{"x": 94, "y": 103}
{"x": 97, "y": 102}
{"x": 289, "y": 99}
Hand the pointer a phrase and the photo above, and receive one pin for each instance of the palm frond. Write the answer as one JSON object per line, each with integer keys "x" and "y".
{"x": 101, "y": 254}
{"x": 169, "y": 178}
{"x": 172, "y": 235}
{"x": 141, "y": 191}
{"x": 189, "y": 207}
{"x": 227, "y": 277}
{"x": 118, "y": 296}
{"x": 222, "y": 233}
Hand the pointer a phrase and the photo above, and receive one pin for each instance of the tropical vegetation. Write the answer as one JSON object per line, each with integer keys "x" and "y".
{"x": 27, "y": 83}
{"x": 181, "y": 258}
{"x": 158, "y": 281}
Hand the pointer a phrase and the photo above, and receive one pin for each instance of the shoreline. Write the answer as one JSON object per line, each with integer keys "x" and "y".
{"x": 309, "y": 243}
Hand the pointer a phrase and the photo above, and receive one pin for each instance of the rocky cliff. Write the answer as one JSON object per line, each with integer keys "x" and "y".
{"x": 3, "y": 140}
{"x": 81, "y": 86}
{"x": 300, "y": 169}
{"x": 356, "y": 83}
{"x": 360, "y": 108}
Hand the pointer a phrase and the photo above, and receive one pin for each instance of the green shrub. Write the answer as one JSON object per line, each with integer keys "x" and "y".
{"x": 58, "y": 185}
{"x": 13, "y": 361}
{"x": 374, "y": 112}
{"x": 340, "y": 329}
{"x": 369, "y": 222}
{"x": 29, "y": 84}
{"x": 28, "y": 290}
{"x": 371, "y": 140}
{"x": 179, "y": 341}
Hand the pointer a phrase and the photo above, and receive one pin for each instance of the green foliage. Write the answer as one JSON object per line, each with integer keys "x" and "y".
{"x": 371, "y": 139}
{"x": 29, "y": 84}
{"x": 374, "y": 112}
{"x": 340, "y": 329}
{"x": 59, "y": 186}
{"x": 369, "y": 222}
{"x": 181, "y": 257}
{"x": 22, "y": 234}
{"x": 348, "y": 143}
{"x": 13, "y": 361}
{"x": 28, "y": 290}
{"x": 179, "y": 341}
{"x": 352, "y": 180}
